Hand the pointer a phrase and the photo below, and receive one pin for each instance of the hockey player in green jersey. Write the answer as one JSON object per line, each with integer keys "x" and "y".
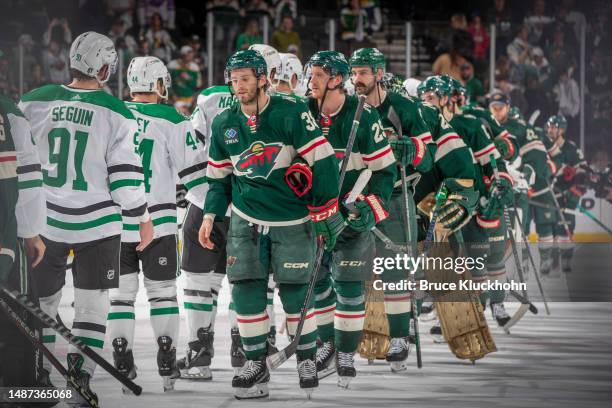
{"x": 485, "y": 233}
{"x": 340, "y": 305}
{"x": 569, "y": 186}
{"x": 169, "y": 149}
{"x": 91, "y": 173}
{"x": 252, "y": 145}
{"x": 414, "y": 149}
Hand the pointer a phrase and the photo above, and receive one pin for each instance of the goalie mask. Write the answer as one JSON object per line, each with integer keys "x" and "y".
{"x": 290, "y": 66}
{"x": 273, "y": 61}
{"x": 90, "y": 52}
{"x": 144, "y": 73}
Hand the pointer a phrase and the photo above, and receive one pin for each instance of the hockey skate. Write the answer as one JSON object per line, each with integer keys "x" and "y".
{"x": 124, "y": 360}
{"x": 196, "y": 364}
{"x": 427, "y": 311}
{"x": 436, "y": 332}
{"x": 325, "y": 360}
{"x": 166, "y": 362}
{"x": 397, "y": 356}
{"x": 236, "y": 351}
{"x": 82, "y": 377}
{"x": 545, "y": 267}
{"x": 345, "y": 366}
{"x": 252, "y": 381}
{"x": 307, "y": 371}
{"x": 499, "y": 313}
{"x": 566, "y": 263}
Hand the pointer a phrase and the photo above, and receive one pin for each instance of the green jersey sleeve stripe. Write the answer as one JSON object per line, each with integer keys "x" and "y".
{"x": 23, "y": 185}
{"x": 124, "y": 183}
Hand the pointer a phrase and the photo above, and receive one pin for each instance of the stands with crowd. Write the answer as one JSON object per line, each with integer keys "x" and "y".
{"x": 537, "y": 44}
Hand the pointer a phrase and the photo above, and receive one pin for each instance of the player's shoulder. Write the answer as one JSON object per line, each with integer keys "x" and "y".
{"x": 286, "y": 105}
{"x": 398, "y": 99}
{"x": 7, "y": 106}
{"x": 158, "y": 111}
{"x": 99, "y": 98}
{"x": 228, "y": 116}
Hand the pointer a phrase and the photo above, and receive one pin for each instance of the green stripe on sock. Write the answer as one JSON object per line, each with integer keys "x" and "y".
{"x": 165, "y": 311}
{"x": 92, "y": 342}
{"x": 198, "y": 306}
{"x": 121, "y": 315}
{"x": 50, "y": 338}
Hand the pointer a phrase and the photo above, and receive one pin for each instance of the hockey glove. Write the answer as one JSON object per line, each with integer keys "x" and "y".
{"x": 371, "y": 212}
{"x": 328, "y": 222}
{"x": 505, "y": 147}
{"x": 408, "y": 151}
{"x": 299, "y": 177}
{"x": 571, "y": 197}
{"x": 490, "y": 213}
{"x": 502, "y": 191}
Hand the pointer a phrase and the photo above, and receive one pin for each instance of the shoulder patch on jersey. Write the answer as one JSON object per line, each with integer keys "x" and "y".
{"x": 159, "y": 111}
{"x": 50, "y": 93}
{"x": 215, "y": 89}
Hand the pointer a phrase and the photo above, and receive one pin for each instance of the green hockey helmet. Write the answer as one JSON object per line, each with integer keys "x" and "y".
{"x": 515, "y": 113}
{"x": 368, "y": 57}
{"x": 436, "y": 84}
{"x": 333, "y": 62}
{"x": 557, "y": 121}
{"x": 245, "y": 59}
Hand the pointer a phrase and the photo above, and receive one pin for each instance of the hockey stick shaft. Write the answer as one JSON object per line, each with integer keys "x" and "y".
{"x": 408, "y": 235}
{"x": 48, "y": 321}
{"x": 594, "y": 219}
{"x": 558, "y": 207}
{"x": 275, "y": 360}
{"x": 536, "y": 272}
{"x": 33, "y": 338}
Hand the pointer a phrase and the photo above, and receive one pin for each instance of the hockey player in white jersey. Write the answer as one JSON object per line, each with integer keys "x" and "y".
{"x": 168, "y": 147}
{"x": 91, "y": 173}
{"x": 290, "y": 75}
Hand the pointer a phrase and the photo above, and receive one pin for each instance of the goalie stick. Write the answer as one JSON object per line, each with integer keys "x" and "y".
{"x": 524, "y": 299}
{"x": 33, "y": 338}
{"x": 48, "y": 321}
{"x": 275, "y": 360}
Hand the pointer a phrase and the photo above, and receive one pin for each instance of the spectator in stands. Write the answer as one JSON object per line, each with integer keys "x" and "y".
{"x": 519, "y": 50}
{"x": 255, "y": 8}
{"x": 598, "y": 73}
{"x": 600, "y": 35}
{"x": 285, "y": 39}
{"x": 55, "y": 63}
{"x": 541, "y": 67}
{"x": 567, "y": 96}
{"x": 354, "y": 21}
{"x": 163, "y": 8}
{"x": 118, "y": 33}
{"x": 30, "y": 60}
{"x": 160, "y": 41}
{"x": 199, "y": 53}
{"x": 538, "y": 98}
{"x": 559, "y": 55}
{"x": 511, "y": 72}
{"x": 186, "y": 78}
{"x": 480, "y": 36}
{"x": 461, "y": 39}
{"x": 284, "y": 8}
{"x": 450, "y": 63}
{"x": 372, "y": 9}
{"x": 250, "y": 35}
{"x": 573, "y": 17}
{"x": 473, "y": 85}
{"x": 59, "y": 31}
{"x": 122, "y": 10}
{"x": 7, "y": 82}
{"x": 537, "y": 21}
{"x": 501, "y": 16}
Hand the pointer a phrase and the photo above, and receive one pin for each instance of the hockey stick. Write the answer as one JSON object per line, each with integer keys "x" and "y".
{"x": 536, "y": 272}
{"x": 581, "y": 210}
{"x": 525, "y": 304}
{"x": 48, "y": 321}
{"x": 277, "y": 359}
{"x": 534, "y": 116}
{"x": 33, "y": 338}
{"x": 558, "y": 208}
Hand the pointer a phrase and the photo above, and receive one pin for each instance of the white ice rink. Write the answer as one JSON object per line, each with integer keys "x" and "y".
{"x": 555, "y": 361}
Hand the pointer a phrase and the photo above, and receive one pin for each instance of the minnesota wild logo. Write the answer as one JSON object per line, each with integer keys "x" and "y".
{"x": 258, "y": 160}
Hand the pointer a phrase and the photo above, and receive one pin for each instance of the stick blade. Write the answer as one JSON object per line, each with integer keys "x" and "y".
{"x": 517, "y": 316}
{"x": 277, "y": 359}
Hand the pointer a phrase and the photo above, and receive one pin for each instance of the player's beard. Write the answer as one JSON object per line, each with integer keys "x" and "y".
{"x": 363, "y": 89}
{"x": 249, "y": 97}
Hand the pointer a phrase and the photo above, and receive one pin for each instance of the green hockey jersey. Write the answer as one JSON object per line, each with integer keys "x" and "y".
{"x": 248, "y": 158}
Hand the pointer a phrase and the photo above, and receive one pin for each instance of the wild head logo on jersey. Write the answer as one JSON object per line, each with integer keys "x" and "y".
{"x": 258, "y": 160}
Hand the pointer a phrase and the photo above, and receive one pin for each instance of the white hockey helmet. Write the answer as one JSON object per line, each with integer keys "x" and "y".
{"x": 90, "y": 52}
{"x": 410, "y": 86}
{"x": 144, "y": 73}
{"x": 273, "y": 60}
{"x": 290, "y": 65}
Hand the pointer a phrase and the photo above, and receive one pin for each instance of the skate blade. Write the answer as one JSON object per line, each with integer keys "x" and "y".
{"x": 398, "y": 366}
{"x": 168, "y": 383}
{"x": 309, "y": 392}
{"x": 343, "y": 382}
{"x": 197, "y": 374}
{"x": 326, "y": 372}
{"x": 256, "y": 391}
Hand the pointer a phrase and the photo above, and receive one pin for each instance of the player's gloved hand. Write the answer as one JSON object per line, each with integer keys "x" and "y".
{"x": 571, "y": 197}
{"x": 371, "y": 212}
{"x": 404, "y": 150}
{"x": 505, "y": 147}
{"x": 452, "y": 215}
{"x": 569, "y": 173}
{"x": 502, "y": 190}
{"x": 328, "y": 222}
{"x": 181, "y": 193}
{"x": 490, "y": 209}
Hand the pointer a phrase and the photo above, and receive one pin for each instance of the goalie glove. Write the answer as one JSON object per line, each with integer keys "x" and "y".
{"x": 328, "y": 222}
{"x": 299, "y": 177}
{"x": 371, "y": 212}
{"x": 461, "y": 202}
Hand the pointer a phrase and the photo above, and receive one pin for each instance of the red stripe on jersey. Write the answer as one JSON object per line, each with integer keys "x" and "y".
{"x": 448, "y": 139}
{"x": 488, "y": 150}
{"x": 378, "y": 156}
{"x": 8, "y": 158}
{"x": 219, "y": 166}
{"x": 314, "y": 145}
{"x": 327, "y": 310}
{"x": 345, "y": 316}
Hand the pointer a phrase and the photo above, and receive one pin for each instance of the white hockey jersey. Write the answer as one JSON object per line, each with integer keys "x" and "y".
{"x": 168, "y": 146}
{"x": 211, "y": 101}
{"x": 90, "y": 170}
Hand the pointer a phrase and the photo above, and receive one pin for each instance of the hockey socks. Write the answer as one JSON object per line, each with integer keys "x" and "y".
{"x": 325, "y": 307}
{"x": 90, "y": 313}
{"x": 250, "y": 301}
{"x": 198, "y": 302}
{"x": 49, "y": 305}
{"x": 164, "y": 307}
{"x": 349, "y": 315}
{"x": 292, "y": 297}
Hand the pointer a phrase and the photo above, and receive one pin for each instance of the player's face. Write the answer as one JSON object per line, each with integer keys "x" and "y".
{"x": 319, "y": 80}
{"x": 364, "y": 80}
{"x": 499, "y": 111}
{"x": 553, "y": 132}
{"x": 244, "y": 84}
{"x": 431, "y": 97}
